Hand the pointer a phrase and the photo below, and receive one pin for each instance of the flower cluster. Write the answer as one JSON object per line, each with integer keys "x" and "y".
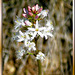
{"x": 41, "y": 56}
{"x": 28, "y": 28}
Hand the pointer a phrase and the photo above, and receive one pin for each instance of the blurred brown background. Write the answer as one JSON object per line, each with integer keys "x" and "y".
{"x": 58, "y": 50}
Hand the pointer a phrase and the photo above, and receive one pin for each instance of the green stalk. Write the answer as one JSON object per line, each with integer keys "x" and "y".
{"x": 39, "y": 67}
{"x": 38, "y": 61}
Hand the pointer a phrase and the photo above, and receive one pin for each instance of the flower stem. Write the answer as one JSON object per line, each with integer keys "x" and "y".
{"x": 39, "y": 67}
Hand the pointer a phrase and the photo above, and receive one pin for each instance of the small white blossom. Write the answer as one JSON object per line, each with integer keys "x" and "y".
{"x": 43, "y": 13}
{"x": 20, "y": 53}
{"x": 28, "y": 23}
{"x": 30, "y": 45}
{"x": 40, "y": 56}
{"x": 23, "y": 37}
{"x": 47, "y": 33}
{"x": 49, "y": 23}
{"x": 36, "y": 30}
{"x": 19, "y": 23}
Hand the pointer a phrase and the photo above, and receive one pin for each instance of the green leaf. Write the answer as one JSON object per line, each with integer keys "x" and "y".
{"x": 30, "y": 53}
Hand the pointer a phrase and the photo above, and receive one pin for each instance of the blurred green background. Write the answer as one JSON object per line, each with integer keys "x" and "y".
{"x": 58, "y": 50}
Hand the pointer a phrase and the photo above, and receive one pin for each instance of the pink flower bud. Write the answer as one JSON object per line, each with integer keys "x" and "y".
{"x": 28, "y": 23}
{"x": 30, "y": 13}
{"x": 34, "y": 12}
{"x": 24, "y": 15}
{"x": 39, "y": 10}
{"x": 24, "y": 10}
{"x": 36, "y": 16}
{"x": 29, "y": 8}
{"x": 33, "y": 8}
{"x": 37, "y": 7}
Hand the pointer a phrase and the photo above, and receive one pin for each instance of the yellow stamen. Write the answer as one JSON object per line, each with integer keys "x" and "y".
{"x": 27, "y": 42}
{"x": 50, "y": 22}
{"x": 29, "y": 45}
{"x": 17, "y": 21}
{"x": 48, "y": 31}
{"x": 41, "y": 55}
{"x": 36, "y": 30}
{"x": 22, "y": 36}
{"x": 19, "y": 51}
{"x": 46, "y": 11}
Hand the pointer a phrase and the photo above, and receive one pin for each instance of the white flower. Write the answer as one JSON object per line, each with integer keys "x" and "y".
{"x": 20, "y": 53}
{"x": 49, "y": 23}
{"x": 19, "y": 23}
{"x": 30, "y": 45}
{"x": 36, "y": 30}
{"x": 47, "y": 32}
{"x": 40, "y": 56}
{"x": 43, "y": 13}
{"x": 23, "y": 37}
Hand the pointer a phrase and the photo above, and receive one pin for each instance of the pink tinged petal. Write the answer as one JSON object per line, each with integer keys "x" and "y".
{"x": 39, "y": 10}
{"x": 36, "y": 17}
{"x": 37, "y": 7}
{"x": 24, "y": 10}
{"x": 28, "y": 23}
{"x": 29, "y": 8}
{"x": 33, "y": 8}
{"x": 24, "y": 15}
{"x": 30, "y": 13}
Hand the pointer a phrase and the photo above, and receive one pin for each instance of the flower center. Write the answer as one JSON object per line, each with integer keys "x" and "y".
{"x": 25, "y": 36}
{"x": 17, "y": 21}
{"x": 36, "y": 29}
{"x": 29, "y": 46}
{"x": 48, "y": 31}
{"x": 46, "y": 11}
{"x": 22, "y": 36}
{"x": 41, "y": 55}
{"x": 50, "y": 22}
{"x": 19, "y": 51}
